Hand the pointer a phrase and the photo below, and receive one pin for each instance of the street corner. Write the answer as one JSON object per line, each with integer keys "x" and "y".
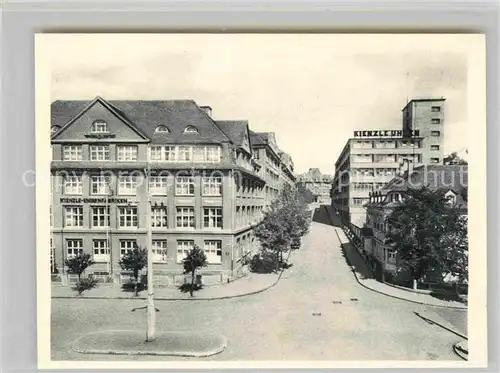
{"x": 462, "y": 349}
{"x": 131, "y": 342}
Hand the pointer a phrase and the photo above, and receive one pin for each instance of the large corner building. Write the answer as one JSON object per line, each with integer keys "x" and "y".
{"x": 208, "y": 184}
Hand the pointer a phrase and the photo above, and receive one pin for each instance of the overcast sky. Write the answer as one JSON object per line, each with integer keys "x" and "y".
{"x": 312, "y": 90}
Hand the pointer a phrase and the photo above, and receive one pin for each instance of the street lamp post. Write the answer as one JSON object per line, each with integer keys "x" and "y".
{"x": 151, "y": 312}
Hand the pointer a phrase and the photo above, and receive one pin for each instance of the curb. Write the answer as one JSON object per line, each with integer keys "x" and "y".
{"x": 390, "y": 295}
{"x": 425, "y": 318}
{"x": 207, "y": 353}
{"x": 461, "y": 352}
{"x": 185, "y": 299}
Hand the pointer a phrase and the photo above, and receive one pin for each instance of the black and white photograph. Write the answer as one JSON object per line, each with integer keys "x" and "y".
{"x": 267, "y": 200}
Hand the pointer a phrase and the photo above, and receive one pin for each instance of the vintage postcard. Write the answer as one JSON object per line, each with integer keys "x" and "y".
{"x": 261, "y": 200}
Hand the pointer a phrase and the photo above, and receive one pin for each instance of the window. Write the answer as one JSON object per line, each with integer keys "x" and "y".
{"x": 73, "y": 248}
{"x": 185, "y": 217}
{"x": 436, "y": 109}
{"x": 184, "y": 153}
{"x": 183, "y": 247}
{"x": 435, "y": 120}
{"x": 159, "y": 250}
{"x": 198, "y": 154}
{"x": 128, "y": 217}
{"x": 190, "y": 129}
{"x": 127, "y": 246}
{"x": 212, "y": 218}
{"x": 184, "y": 185}
{"x": 73, "y": 216}
{"x": 434, "y": 147}
{"x": 99, "y": 153}
{"x": 99, "y": 126}
{"x": 358, "y": 201}
{"x": 101, "y": 250}
{"x": 213, "y": 251}
{"x": 213, "y": 154}
{"x": 158, "y": 185}
{"x": 100, "y": 216}
{"x": 434, "y": 160}
{"x": 72, "y": 153}
{"x": 162, "y": 129}
{"x": 435, "y": 133}
{"x": 163, "y": 153}
{"x": 127, "y": 153}
{"x": 212, "y": 186}
{"x": 54, "y": 129}
{"x": 158, "y": 217}
{"x": 73, "y": 185}
{"x": 391, "y": 255}
{"x": 127, "y": 185}
{"x": 100, "y": 185}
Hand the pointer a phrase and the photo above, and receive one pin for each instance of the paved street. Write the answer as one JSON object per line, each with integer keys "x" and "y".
{"x": 279, "y": 324}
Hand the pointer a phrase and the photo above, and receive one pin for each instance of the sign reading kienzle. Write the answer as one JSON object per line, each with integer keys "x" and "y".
{"x": 94, "y": 200}
{"x": 384, "y": 133}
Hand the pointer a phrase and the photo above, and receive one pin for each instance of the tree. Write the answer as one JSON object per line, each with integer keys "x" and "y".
{"x": 429, "y": 235}
{"x": 77, "y": 265}
{"x": 194, "y": 259}
{"x": 454, "y": 159}
{"x": 286, "y": 221}
{"x": 134, "y": 260}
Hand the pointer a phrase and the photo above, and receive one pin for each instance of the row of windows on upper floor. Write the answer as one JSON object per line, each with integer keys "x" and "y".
{"x": 160, "y": 153}
{"x": 128, "y": 217}
{"x": 101, "y": 127}
{"x": 158, "y": 185}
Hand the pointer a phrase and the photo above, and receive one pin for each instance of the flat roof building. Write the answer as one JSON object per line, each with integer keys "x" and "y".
{"x": 371, "y": 158}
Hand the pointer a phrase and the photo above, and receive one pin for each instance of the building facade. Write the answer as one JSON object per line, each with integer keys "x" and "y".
{"x": 114, "y": 160}
{"x": 371, "y": 158}
{"x": 318, "y": 184}
{"x": 382, "y": 256}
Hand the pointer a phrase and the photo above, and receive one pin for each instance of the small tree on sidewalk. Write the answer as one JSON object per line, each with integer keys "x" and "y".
{"x": 77, "y": 265}
{"x": 135, "y": 260}
{"x": 195, "y": 259}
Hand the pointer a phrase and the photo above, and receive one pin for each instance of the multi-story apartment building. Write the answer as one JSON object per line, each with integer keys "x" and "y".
{"x": 114, "y": 160}
{"x": 371, "y": 158}
{"x": 318, "y": 184}
{"x": 382, "y": 256}
{"x": 267, "y": 154}
{"x": 427, "y": 117}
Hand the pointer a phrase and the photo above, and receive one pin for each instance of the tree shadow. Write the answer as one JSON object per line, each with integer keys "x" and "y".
{"x": 356, "y": 262}
{"x": 130, "y": 287}
{"x": 186, "y": 288}
{"x": 448, "y": 296}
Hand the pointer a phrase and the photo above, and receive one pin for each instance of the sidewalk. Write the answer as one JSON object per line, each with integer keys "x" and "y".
{"x": 251, "y": 284}
{"x": 365, "y": 278}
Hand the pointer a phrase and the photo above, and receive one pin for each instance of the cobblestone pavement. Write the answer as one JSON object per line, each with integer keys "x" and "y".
{"x": 317, "y": 311}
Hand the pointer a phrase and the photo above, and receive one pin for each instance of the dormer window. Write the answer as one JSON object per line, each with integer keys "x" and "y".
{"x": 451, "y": 197}
{"x": 99, "y": 126}
{"x": 54, "y": 129}
{"x": 162, "y": 129}
{"x": 190, "y": 129}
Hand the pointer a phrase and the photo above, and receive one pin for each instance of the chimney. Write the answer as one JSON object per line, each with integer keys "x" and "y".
{"x": 207, "y": 110}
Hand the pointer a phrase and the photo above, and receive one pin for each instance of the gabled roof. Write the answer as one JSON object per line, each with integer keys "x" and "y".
{"x": 146, "y": 116}
{"x": 234, "y": 129}
{"x": 256, "y": 139}
{"x": 434, "y": 177}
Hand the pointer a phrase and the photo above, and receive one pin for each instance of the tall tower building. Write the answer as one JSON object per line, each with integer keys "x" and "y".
{"x": 427, "y": 117}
